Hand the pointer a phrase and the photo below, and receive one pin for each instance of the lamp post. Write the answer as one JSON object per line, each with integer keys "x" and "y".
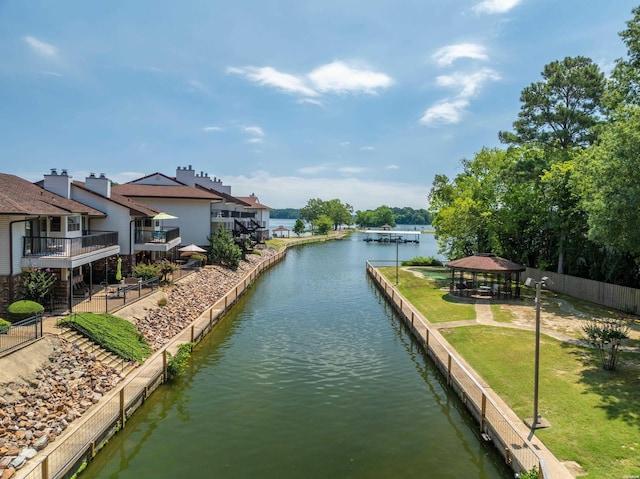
{"x": 537, "y": 421}
{"x": 397, "y": 261}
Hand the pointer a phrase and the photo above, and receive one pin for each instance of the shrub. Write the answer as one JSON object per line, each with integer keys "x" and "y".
{"x": 23, "y": 309}
{"x": 162, "y": 302}
{"x": 145, "y": 271}
{"x": 422, "y": 261}
{"x": 606, "y": 335}
{"x": 178, "y": 363}
{"x": 37, "y": 283}
{"x": 223, "y": 250}
{"x": 4, "y": 325}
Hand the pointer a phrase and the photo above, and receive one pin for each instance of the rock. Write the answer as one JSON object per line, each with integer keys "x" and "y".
{"x": 41, "y": 443}
{"x": 29, "y": 453}
{"x": 18, "y": 462}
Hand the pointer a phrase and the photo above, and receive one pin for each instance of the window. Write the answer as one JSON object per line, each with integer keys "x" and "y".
{"x": 73, "y": 223}
{"x": 56, "y": 223}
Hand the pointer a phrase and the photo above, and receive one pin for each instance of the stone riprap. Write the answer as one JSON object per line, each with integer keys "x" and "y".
{"x": 36, "y": 410}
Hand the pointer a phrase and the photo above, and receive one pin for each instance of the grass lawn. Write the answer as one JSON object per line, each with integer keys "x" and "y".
{"x": 594, "y": 414}
{"x": 424, "y": 292}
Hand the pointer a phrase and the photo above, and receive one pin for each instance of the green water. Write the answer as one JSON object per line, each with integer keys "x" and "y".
{"x": 310, "y": 375}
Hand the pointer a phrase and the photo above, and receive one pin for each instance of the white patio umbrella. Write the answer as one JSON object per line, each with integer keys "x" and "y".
{"x": 191, "y": 249}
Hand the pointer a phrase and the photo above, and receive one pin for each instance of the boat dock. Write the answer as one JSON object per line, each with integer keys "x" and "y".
{"x": 392, "y": 236}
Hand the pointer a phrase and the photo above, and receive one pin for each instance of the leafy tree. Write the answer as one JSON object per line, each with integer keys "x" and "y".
{"x": 364, "y": 219}
{"x": 323, "y": 224}
{"x": 223, "y": 250}
{"x": 339, "y": 213}
{"x": 624, "y": 85}
{"x": 312, "y": 210}
{"x": 299, "y": 227}
{"x": 561, "y": 110}
{"x": 285, "y": 213}
{"x": 609, "y": 179}
{"x": 383, "y": 215}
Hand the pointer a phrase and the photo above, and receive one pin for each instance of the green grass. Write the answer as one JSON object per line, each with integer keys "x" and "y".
{"x": 594, "y": 413}
{"x": 501, "y": 315}
{"x": 112, "y": 333}
{"x": 425, "y": 293}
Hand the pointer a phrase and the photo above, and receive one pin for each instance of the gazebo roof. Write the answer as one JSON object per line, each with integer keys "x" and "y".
{"x": 280, "y": 228}
{"x": 485, "y": 262}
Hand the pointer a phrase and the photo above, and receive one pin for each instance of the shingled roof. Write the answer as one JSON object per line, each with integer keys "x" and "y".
{"x": 485, "y": 262}
{"x": 21, "y": 197}
{"x": 134, "y": 190}
{"x": 135, "y": 208}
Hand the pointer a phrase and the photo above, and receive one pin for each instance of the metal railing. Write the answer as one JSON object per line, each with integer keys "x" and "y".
{"x": 495, "y": 424}
{"x": 111, "y": 297}
{"x": 20, "y": 333}
{"x": 163, "y": 235}
{"x": 68, "y": 247}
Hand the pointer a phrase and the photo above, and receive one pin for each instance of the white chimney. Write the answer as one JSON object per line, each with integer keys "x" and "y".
{"x": 60, "y": 184}
{"x": 100, "y": 185}
{"x": 186, "y": 176}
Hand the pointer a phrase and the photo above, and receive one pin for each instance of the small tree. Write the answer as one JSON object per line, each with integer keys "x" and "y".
{"x": 165, "y": 268}
{"x": 606, "y": 335}
{"x": 323, "y": 224}
{"x": 299, "y": 227}
{"x": 37, "y": 283}
{"x": 223, "y": 250}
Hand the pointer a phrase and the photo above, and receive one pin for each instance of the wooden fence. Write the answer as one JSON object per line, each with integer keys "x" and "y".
{"x": 613, "y": 296}
{"x": 86, "y": 435}
{"x": 495, "y": 423}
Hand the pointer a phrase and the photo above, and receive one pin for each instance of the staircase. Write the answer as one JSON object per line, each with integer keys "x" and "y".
{"x": 103, "y": 356}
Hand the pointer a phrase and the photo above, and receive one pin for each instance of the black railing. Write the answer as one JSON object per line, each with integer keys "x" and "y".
{"x": 232, "y": 214}
{"x": 19, "y": 333}
{"x": 68, "y": 247}
{"x": 164, "y": 235}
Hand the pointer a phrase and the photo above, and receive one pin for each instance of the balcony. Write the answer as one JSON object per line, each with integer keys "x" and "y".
{"x": 226, "y": 214}
{"x": 51, "y": 252}
{"x": 157, "y": 240}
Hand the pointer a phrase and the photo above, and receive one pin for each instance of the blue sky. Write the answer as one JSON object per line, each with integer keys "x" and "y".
{"x": 365, "y": 101}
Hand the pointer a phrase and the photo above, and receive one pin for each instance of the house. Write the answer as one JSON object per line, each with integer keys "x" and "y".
{"x": 201, "y": 204}
{"x": 47, "y": 229}
{"x": 142, "y": 236}
{"x": 260, "y": 214}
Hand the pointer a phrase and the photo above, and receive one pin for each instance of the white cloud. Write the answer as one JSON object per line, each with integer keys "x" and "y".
{"x": 41, "y": 48}
{"x": 253, "y": 130}
{"x": 311, "y": 101}
{"x": 495, "y": 6}
{"x": 198, "y": 87}
{"x": 345, "y": 143}
{"x": 313, "y": 170}
{"x": 295, "y": 191}
{"x": 445, "y": 111}
{"x": 269, "y": 76}
{"x": 339, "y": 77}
{"x": 211, "y": 128}
{"x": 352, "y": 169}
{"x": 468, "y": 83}
{"x": 447, "y": 55}
{"x": 255, "y": 140}
{"x": 367, "y": 148}
{"x": 391, "y": 167}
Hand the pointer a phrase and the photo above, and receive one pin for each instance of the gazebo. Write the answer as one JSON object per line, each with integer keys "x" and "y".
{"x": 485, "y": 274}
{"x": 280, "y": 229}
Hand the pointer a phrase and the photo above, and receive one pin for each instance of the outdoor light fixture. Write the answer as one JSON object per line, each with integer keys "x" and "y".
{"x": 537, "y": 422}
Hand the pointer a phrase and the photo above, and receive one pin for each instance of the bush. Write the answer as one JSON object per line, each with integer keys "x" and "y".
{"x": 23, "y": 309}
{"x": 422, "y": 261}
{"x": 178, "y": 363}
{"x": 4, "y": 325}
{"x": 146, "y": 271}
{"x": 37, "y": 283}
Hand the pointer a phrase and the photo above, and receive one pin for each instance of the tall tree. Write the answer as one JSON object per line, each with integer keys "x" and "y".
{"x": 624, "y": 84}
{"x": 561, "y": 110}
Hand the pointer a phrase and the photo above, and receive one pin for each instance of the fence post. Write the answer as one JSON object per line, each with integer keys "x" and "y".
{"x": 164, "y": 365}
{"x": 122, "y": 413}
{"x": 483, "y": 416}
{"x": 449, "y": 368}
{"x": 193, "y": 328}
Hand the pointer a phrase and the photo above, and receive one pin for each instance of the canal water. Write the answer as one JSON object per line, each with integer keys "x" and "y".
{"x": 311, "y": 375}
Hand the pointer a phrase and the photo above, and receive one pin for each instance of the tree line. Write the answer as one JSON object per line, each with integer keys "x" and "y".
{"x": 564, "y": 192}
{"x": 368, "y": 218}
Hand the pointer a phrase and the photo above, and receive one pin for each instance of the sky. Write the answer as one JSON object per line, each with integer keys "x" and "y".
{"x": 360, "y": 100}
